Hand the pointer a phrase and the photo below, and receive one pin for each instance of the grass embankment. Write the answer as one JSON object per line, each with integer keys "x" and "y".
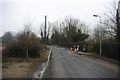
{"x": 44, "y": 55}
{"x": 106, "y": 58}
{"x": 21, "y": 67}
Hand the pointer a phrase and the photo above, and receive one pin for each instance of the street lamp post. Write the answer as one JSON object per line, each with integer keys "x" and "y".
{"x": 99, "y": 34}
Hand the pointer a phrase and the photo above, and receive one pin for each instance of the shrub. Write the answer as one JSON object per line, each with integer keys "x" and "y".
{"x": 26, "y": 42}
{"x": 108, "y": 49}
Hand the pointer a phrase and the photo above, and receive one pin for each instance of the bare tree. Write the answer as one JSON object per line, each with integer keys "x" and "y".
{"x": 104, "y": 33}
{"x": 110, "y": 20}
{"x": 118, "y": 22}
{"x": 42, "y": 31}
{"x": 8, "y": 38}
{"x": 70, "y": 30}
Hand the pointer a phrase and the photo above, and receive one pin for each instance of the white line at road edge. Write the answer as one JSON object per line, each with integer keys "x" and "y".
{"x": 45, "y": 65}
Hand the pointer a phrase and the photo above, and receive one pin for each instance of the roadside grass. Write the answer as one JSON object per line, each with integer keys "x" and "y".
{"x": 106, "y": 58}
{"x": 25, "y": 66}
{"x": 43, "y": 56}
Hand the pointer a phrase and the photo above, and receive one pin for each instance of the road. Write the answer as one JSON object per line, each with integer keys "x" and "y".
{"x": 66, "y": 65}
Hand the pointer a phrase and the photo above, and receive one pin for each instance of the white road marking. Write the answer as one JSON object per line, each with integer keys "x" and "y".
{"x": 46, "y": 65}
{"x": 42, "y": 72}
{"x": 39, "y": 74}
{"x": 82, "y": 55}
{"x": 73, "y": 53}
{"x": 69, "y": 52}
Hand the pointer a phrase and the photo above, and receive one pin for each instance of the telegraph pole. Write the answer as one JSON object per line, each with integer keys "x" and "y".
{"x": 45, "y": 31}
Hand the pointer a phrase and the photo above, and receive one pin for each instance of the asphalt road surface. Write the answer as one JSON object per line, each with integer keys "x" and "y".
{"x": 63, "y": 64}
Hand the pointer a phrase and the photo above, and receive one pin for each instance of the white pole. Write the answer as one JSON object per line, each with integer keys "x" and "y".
{"x": 100, "y": 38}
{"x": 99, "y": 34}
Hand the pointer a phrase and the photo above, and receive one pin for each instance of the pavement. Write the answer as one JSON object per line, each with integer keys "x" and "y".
{"x": 65, "y": 64}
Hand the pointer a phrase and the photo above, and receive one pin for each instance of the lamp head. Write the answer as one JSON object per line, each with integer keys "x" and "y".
{"x": 95, "y": 15}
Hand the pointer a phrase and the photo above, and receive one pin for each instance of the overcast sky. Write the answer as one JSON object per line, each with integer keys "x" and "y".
{"x": 15, "y": 13}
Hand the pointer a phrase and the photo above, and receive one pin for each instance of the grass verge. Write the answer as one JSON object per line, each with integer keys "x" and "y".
{"x": 106, "y": 58}
{"x": 22, "y": 67}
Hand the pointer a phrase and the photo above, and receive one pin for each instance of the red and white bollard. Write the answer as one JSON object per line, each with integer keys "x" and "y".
{"x": 75, "y": 50}
{"x": 71, "y": 48}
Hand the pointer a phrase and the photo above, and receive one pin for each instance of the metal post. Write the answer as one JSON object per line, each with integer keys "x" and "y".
{"x": 99, "y": 34}
{"x": 100, "y": 46}
{"x": 45, "y": 31}
{"x": 100, "y": 38}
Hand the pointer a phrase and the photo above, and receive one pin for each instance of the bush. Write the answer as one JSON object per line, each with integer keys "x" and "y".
{"x": 110, "y": 50}
{"x": 26, "y": 42}
{"x": 7, "y": 38}
{"x": 20, "y": 48}
{"x": 96, "y": 48}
